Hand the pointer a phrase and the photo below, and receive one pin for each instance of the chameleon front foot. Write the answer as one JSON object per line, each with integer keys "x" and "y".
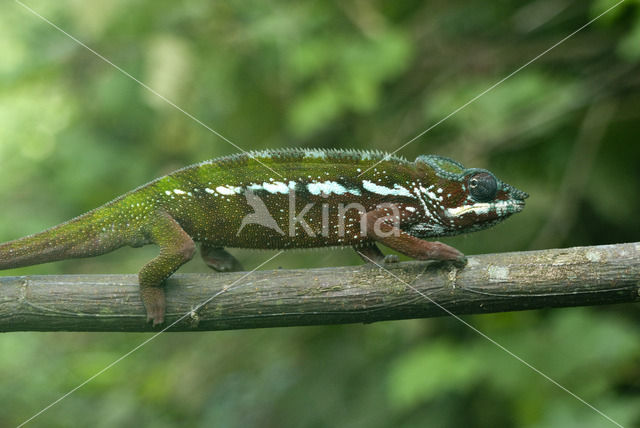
{"x": 439, "y": 251}
{"x": 154, "y": 302}
{"x": 380, "y": 228}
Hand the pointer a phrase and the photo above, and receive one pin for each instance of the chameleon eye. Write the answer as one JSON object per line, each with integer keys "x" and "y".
{"x": 482, "y": 186}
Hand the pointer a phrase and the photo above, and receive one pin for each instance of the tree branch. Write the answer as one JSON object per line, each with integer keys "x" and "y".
{"x": 489, "y": 283}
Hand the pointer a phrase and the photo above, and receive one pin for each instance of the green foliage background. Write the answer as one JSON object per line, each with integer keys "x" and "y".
{"x": 75, "y": 132}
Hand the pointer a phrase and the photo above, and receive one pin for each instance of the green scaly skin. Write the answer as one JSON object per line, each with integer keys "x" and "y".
{"x": 222, "y": 202}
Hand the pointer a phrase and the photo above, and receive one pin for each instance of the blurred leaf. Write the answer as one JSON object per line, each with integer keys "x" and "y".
{"x": 429, "y": 371}
{"x": 344, "y": 75}
{"x": 526, "y": 99}
{"x": 629, "y": 47}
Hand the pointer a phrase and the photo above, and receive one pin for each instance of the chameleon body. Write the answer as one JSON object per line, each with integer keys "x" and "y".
{"x": 305, "y": 198}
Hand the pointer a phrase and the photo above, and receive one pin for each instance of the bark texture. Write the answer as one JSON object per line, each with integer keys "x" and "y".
{"x": 489, "y": 283}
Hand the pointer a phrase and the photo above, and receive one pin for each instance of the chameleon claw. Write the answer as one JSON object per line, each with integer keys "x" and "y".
{"x": 460, "y": 262}
{"x": 154, "y": 303}
{"x": 155, "y": 319}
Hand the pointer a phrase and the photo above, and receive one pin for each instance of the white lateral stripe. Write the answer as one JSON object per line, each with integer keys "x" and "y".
{"x": 479, "y": 208}
{"x": 275, "y": 187}
{"x": 228, "y": 190}
{"x": 328, "y": 187}
{"x": 397, "y": 190}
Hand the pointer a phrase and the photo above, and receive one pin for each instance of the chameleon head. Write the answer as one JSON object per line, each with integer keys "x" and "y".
{"x": 461, "y": 200}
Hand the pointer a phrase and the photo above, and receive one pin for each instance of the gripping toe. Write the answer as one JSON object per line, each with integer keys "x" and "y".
{"x": 219, "y": 259}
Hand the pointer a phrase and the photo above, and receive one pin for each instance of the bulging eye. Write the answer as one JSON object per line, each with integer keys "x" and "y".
{"x": 483, "y": 187}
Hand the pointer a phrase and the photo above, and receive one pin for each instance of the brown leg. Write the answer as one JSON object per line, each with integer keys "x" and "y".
{"x": 389, "y": 235}
{"x": 176, "y": 248}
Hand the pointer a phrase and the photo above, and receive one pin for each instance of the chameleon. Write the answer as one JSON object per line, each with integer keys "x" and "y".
{"x": 281, "y": 199}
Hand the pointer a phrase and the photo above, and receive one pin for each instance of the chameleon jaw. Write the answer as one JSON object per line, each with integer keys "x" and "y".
{"x": 502, "y": 208}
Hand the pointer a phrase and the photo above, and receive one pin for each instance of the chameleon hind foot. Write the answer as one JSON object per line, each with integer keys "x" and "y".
{"x": 372, "y": 254}
{"x": 220, "y": 260}
{"x": 176, "y": 248}
{"x": 154, "y": 302}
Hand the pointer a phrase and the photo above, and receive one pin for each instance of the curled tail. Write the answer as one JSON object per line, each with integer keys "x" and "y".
{"x": 84, "y": 236}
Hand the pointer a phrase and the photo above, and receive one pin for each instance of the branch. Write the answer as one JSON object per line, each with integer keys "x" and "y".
{"x": 489, "y": 283}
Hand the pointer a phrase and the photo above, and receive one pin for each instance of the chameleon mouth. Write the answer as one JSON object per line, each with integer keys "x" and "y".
{"x": 518, "y": 205}
{"x": 502, "y": 208}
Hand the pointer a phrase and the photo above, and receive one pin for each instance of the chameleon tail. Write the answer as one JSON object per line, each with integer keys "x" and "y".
{"x": 80, "y": 237}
